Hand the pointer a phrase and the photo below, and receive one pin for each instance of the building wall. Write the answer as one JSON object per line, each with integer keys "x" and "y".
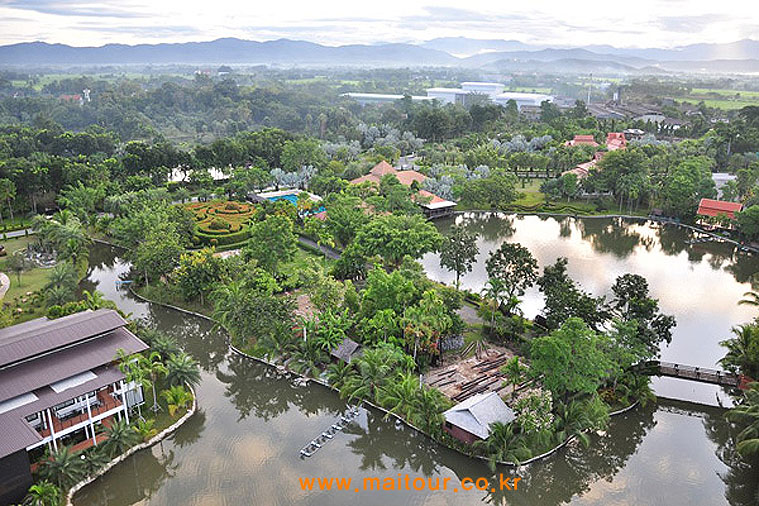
{"x": 460, "y": 434}
{"x": 15, "y": 477}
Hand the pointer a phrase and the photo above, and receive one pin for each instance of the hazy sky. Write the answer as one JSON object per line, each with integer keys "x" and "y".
{"x": 623, "y": 23}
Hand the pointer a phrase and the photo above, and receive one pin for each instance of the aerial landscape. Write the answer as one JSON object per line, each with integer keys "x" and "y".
{"x": 338, "y": 254}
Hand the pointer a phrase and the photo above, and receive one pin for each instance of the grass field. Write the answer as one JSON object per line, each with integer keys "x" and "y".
{"x": 744, "y": 95}
{"x": 728, "y": 105}
{"x": 531, "y": 194}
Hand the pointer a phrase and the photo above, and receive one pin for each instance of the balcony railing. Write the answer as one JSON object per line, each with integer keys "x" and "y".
{"x": 106, "y": 403}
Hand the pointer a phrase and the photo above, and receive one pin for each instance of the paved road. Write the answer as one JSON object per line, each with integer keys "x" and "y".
{"x": 330, "y": 252}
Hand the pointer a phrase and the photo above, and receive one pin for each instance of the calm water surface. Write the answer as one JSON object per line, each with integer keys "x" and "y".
{"x": 242, "y": 445}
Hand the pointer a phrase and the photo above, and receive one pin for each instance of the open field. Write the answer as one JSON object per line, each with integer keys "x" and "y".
{"x": 728, "y": 105}
{"x": 745, "y": 95}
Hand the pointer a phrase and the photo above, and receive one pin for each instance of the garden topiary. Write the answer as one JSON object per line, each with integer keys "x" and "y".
{"x": 218, "y": 224}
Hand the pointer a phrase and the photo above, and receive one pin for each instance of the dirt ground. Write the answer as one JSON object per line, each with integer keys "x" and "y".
{"x": 455, "y": 372}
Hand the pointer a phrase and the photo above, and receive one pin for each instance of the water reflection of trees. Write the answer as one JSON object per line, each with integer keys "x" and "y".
{"x": 492, "y": 227}
{"x": 742, "y": 476}
{"x": 190, "y": 431}
{"x": 400, "y": 445}
{"x": 573, "y": 470}
{"x": 267, "y": 393}
{"x": 145, "y": 475}
{"x": 613, "y": 236}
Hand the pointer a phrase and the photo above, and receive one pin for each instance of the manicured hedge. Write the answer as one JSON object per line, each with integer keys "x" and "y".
{"x": 224, "y": 238}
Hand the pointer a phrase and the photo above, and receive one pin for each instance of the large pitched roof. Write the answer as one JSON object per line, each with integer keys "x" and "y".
{"x": 382, "y": 169}
{"x": 29, "y": 375}
{"x": 710, "y": 207}
{"x": 475, "y": 414}
{"x": 42, "y": 335}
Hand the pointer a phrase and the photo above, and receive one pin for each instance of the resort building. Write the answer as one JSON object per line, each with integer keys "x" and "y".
{"x": 470, "y": 420}
{"x": 432, "y": 205}
{"x": 715, "y": 208}
{"x": 582, "y": 140}
{"x": 615, "y": 140}
{"x": 60, "y": 385}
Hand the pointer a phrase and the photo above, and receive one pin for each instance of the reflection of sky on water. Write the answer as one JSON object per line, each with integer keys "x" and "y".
{"x": 697, "y": 284}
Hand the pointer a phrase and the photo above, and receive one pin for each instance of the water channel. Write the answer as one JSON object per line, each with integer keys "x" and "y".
{"x": 241, "y": 448}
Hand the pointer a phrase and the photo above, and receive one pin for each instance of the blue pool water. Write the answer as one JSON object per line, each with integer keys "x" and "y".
{"x": 293, "y": 199}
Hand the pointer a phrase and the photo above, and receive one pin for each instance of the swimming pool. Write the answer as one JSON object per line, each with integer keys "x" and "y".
{"x": 293, "y": 199}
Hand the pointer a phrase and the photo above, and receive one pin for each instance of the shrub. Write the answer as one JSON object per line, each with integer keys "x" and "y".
{"x": 218, "y": 224}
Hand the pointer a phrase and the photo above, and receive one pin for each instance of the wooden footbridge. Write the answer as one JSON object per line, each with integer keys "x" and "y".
{"x": 687, "y": 372}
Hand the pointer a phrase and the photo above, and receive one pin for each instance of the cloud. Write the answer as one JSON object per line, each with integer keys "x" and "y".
{"x": 690, "y": 24}
{"x": 74, "y": 8}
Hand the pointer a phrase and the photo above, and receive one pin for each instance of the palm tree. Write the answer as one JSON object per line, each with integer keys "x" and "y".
{"x": 231, "y": 307}
{"x": 747, "y": 414}
{"x": 400, "y": 396}
{"x": 176, "y": 397}
{"x": 307, "y": 357}
{"x": 578, "y": 416}
{"x": 58, "y": 296}
{"x": 740, "y": 356}
{"x": 43, "y": 493}
{"x": 338, "y": 374}
{"x": 154, "y": 367}
{"x": 751, "y": 299}
{"x": 182, "y": 369}
{"x": 161, "y": 343}
{"x": 504, "y": 443}
{"x": 430, "y": 404}
{"x": 515, "y": 373}
{"x": 63, "y": 468}
{"x": 121, "y": 437}
{"x": 62, "y": 275}
{"x": 7, "y": 193}
{"x": 373, "y": 370}
{"x": 145, "y": 429}
{"x": 133, "y": 371}
{"x": 494, "y": 291}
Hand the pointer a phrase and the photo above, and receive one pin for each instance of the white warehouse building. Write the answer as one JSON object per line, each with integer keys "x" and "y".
{"x": 463, "y": 96}
{"x": 522, "y": 99}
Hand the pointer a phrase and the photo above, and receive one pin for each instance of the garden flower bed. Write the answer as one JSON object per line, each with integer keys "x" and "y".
{"x": 221, "y": 222}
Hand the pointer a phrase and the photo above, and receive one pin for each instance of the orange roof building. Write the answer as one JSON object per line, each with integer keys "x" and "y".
{"x": 435, "y": 208}
{"x": 710, "y": 207}
{"x": 615, "y": 140}
{"x": 582, "y": 140}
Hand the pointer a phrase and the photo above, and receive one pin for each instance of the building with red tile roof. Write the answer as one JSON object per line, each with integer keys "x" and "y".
{"x": 615, "y": 140}
{"x": 582, "y": 140}
{"x": 435, "y": 208}
{"x": 713, "y": 208}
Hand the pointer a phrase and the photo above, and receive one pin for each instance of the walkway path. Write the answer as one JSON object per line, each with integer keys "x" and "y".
{"x": 5, "y": 284}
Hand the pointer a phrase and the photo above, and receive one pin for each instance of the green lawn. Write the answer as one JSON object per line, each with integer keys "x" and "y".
{"x": 531, "y": 194}
{"x": 32, "y": 280}
{"x": 728, "y": 105}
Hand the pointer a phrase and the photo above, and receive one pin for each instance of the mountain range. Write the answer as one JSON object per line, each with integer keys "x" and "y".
{"x": 498, "y": 55}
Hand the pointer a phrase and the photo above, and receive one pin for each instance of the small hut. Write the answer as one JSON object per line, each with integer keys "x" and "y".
{"x": 346, "y": 350}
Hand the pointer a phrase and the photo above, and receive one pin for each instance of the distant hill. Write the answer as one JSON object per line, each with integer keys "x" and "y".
{"x": 463, "y": 46}
{"x": 740, "y": 56}
{"x": 228, "y": 50}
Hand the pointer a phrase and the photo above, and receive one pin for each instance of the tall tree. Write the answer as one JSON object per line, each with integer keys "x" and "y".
{"x": 459, "y": 251}
{"x": 514, "y": 266}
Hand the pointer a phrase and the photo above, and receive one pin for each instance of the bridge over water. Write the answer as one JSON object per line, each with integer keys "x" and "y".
{"x": 688, "y": 372}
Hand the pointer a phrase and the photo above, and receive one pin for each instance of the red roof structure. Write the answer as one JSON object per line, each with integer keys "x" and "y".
{"x": 710, "y": 207}
{"x": 582, "y": 140}
{"x": 615, "y": 140}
